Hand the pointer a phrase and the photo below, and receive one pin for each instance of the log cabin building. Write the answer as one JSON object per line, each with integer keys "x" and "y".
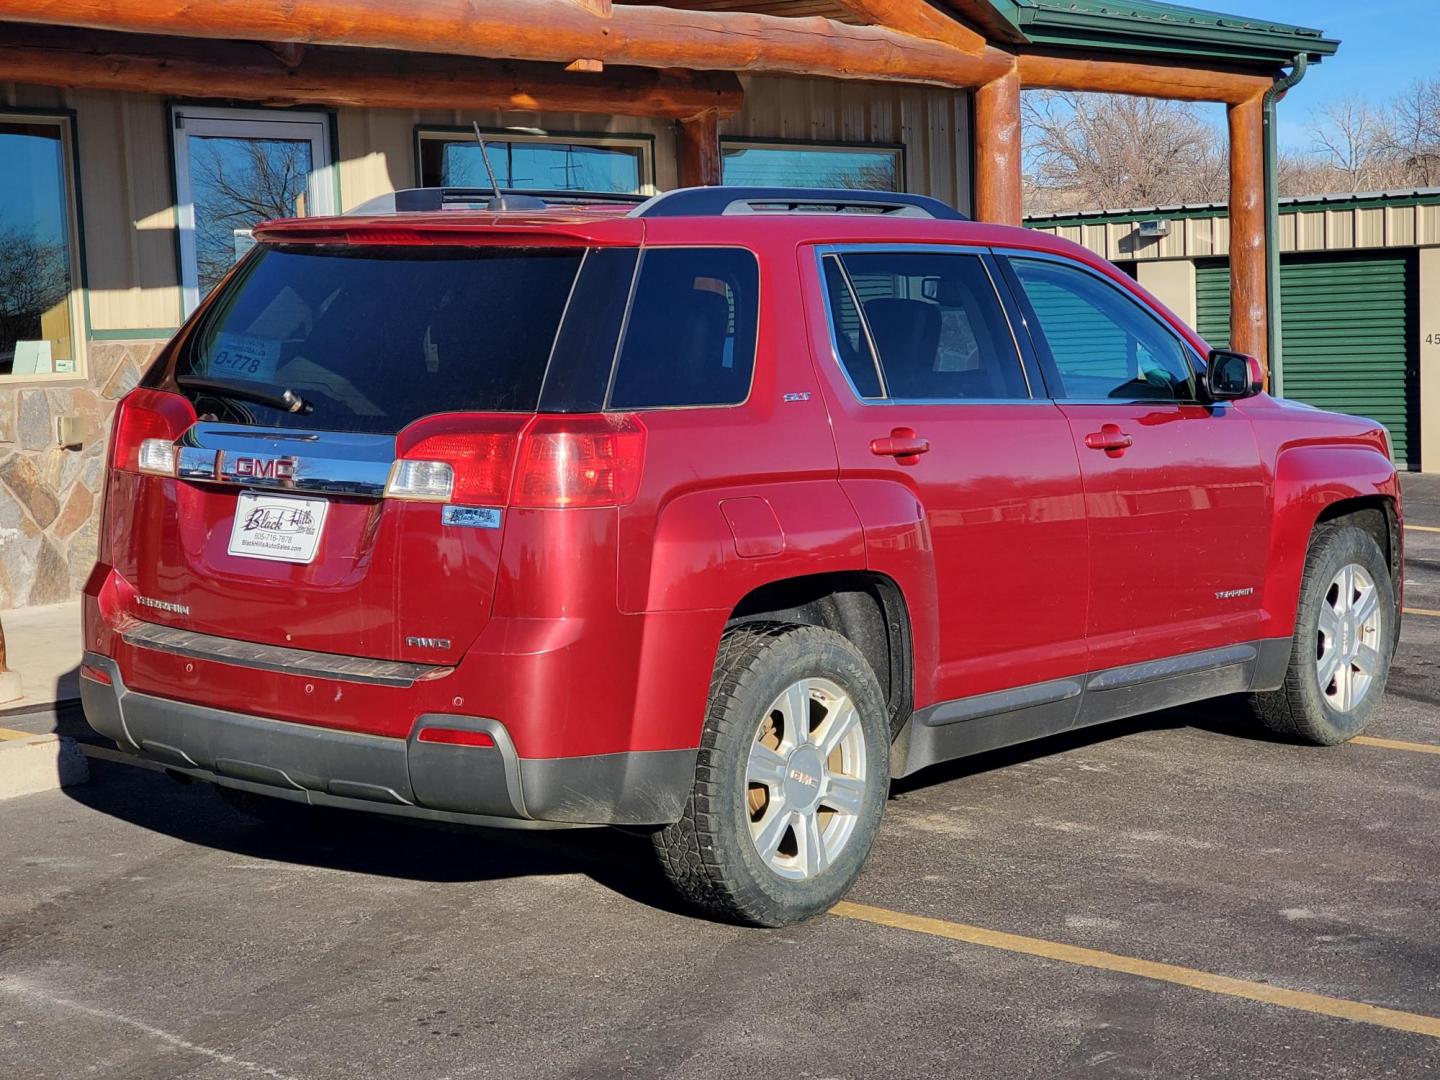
{"x": 140, "y": 141}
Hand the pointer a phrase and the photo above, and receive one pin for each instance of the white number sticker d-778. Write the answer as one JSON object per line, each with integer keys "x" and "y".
{"x": 240, "y": 356}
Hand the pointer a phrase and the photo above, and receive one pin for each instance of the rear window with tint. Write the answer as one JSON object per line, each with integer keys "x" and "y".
{"x": 690, "y": 337}
{"x": 374, "y": 338}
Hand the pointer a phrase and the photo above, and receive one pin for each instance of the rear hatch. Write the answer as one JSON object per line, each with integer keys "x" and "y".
{"x": 323, "y": 460}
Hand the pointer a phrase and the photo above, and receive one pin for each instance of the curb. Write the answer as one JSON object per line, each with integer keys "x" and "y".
{"x": 34, "y": 763}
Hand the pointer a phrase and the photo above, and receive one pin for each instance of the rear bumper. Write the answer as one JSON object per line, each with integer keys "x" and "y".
{"x": 484, "y": 785}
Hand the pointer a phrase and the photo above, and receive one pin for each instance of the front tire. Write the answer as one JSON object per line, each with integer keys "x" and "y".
{"x": 791, "y": 779}
{"x": 1345, "y": 632}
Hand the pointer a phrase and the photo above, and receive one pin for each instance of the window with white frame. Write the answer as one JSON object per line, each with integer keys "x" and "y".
{"x": 538, "y": 161}
{"x": 235, "y": 168}
{"x": 781, "y": 163}
{"x": 41, "y": 328}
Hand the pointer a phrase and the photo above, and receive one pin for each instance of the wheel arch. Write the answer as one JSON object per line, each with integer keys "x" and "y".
{"x": 1316, "y": 484}
{"x": 867, "y": 608}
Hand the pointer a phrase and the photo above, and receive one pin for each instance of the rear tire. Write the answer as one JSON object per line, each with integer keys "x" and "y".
{"x": 1345, "y": 633}
{"x": 791, "y": 779}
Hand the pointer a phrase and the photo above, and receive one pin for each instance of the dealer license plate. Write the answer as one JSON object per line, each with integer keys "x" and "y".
{"x": 282, "y": 528}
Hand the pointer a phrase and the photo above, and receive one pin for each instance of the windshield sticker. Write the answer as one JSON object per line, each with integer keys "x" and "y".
{"x": 240, "y": 356}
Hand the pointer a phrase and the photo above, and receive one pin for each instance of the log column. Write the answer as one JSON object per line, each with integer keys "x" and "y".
{"x": 1248, "y": 311}
{"x": 698, "y": 150}
{"x": 998, "y": 190}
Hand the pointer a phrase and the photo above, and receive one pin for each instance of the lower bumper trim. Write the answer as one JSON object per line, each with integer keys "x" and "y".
{"x": 483, "y": 784}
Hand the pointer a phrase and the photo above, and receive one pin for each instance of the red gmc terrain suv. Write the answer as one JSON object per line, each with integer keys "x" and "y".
{"x": 708, "y": 516}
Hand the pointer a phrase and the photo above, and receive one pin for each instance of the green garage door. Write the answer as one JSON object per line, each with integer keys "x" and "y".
{"x": 1349, "y": 335}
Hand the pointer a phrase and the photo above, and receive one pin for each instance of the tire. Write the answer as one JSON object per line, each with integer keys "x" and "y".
{"x": 1302, "y": 709}
{"x": 764, "y": 674}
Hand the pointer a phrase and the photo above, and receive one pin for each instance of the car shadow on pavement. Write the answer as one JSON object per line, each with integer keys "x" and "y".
{"x": 1227, "y": 716}
{"x": 374, "y": 844}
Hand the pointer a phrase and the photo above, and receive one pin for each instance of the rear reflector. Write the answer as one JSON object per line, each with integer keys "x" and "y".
{"x": 88, "y": 671}
{"x": 455, "y": 736}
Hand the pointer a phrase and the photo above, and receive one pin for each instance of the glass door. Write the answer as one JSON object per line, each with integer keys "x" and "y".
{"x": 236, "y": 168}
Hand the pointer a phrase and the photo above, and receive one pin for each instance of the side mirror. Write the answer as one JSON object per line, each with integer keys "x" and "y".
{"x": 1230, "y": 376}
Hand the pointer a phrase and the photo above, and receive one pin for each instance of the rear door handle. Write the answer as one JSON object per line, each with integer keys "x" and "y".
{"x": 1110, "y": 439}
{"x": 902, "y": 444}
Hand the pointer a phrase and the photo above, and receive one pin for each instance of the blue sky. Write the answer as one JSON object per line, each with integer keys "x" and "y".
{"x": 1385, "y": 45}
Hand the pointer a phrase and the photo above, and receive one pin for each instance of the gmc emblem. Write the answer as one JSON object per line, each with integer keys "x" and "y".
{"x": 266, "y": 468}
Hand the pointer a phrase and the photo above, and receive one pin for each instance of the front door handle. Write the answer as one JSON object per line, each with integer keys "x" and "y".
{"x": 902, "y": 444}
{"x": 1110, "y": 439}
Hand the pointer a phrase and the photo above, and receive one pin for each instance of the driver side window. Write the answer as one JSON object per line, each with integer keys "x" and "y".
{"x": 1102, "y": 344}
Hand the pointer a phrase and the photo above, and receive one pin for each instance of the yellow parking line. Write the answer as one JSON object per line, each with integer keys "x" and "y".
{"x": 1427, "y": 612}
{"x": 1396, "y": 744}
{"x": 11, "y": 733}
{"x": 1422, "y": 528}
{"x": 1319, "y": 1004}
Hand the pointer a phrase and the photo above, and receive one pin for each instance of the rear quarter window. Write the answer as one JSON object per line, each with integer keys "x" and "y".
{"x": 690, "y": 336}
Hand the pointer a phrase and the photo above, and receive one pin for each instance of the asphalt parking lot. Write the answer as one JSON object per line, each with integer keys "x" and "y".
{"x": 1173, "y": 896}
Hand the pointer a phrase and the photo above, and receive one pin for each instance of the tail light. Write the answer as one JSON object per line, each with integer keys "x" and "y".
{"x": 147, "y": 425}
{"x": 456, "y": 458}
{"x": 544, "y": 461}
{"x": 578, "y": 461}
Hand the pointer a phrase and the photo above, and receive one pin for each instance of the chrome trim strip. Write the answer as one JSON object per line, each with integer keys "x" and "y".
{"x": 358, "y": 669}
{"x": 328, "y": 462}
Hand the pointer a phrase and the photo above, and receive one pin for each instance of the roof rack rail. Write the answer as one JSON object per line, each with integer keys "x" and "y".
{"x": 430, "y": 199}
{"x": 714, "y": 201}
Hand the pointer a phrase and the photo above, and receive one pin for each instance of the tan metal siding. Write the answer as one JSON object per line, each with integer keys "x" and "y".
{"x": 932, "y": 123}
{"x": 377, "y": 146}
{"x": 1314, "y": 228}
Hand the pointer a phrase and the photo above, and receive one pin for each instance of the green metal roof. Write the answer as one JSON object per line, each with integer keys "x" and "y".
{"x": 1152, "y": 27}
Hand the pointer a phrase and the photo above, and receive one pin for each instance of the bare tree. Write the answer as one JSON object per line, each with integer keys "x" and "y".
{"x": 237, "y": 184}
{"x": 1353, "y": 142}
{"x": 1414, "y": 133}
{"x": 34, "y": 277}
{"x": 1087, "y": 151}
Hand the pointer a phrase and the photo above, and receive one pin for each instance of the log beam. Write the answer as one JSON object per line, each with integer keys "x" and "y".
{"x": 1159, "y": 79}
{"x": 698, "y": 150}
{"x": 918, "y": 19}
{"x": 545, "y": 30}
{"x": 998, "y": 180}
{"x": 55, "y": 56}
{"x": 1248, "y": 311}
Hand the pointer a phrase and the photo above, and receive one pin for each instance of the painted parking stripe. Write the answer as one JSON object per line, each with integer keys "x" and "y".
{"x": 11, "y": 733}
{"x": 1396, "y": 744}
{"x": 1422, "y": 528}
{"x": 1319, "y": 1004}
{"x": 1426, "y": 612}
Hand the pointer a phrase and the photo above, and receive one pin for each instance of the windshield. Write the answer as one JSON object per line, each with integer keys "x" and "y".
{"x": 372, "y": 338}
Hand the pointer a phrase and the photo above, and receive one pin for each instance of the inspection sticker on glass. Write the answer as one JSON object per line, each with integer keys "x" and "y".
{"x": 240, "y": 356}
{"x": 282, "y": 528}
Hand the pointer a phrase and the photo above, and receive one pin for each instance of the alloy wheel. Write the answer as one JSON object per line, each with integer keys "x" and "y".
{"x": 805, "y": 778}
{"x": 1347, "y": 645}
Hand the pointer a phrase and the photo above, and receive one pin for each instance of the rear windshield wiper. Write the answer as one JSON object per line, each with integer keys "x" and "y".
{"x": 276, "y": 398}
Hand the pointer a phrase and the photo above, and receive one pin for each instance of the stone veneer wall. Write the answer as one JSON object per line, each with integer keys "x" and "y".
{"x": 49, "y": 496}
